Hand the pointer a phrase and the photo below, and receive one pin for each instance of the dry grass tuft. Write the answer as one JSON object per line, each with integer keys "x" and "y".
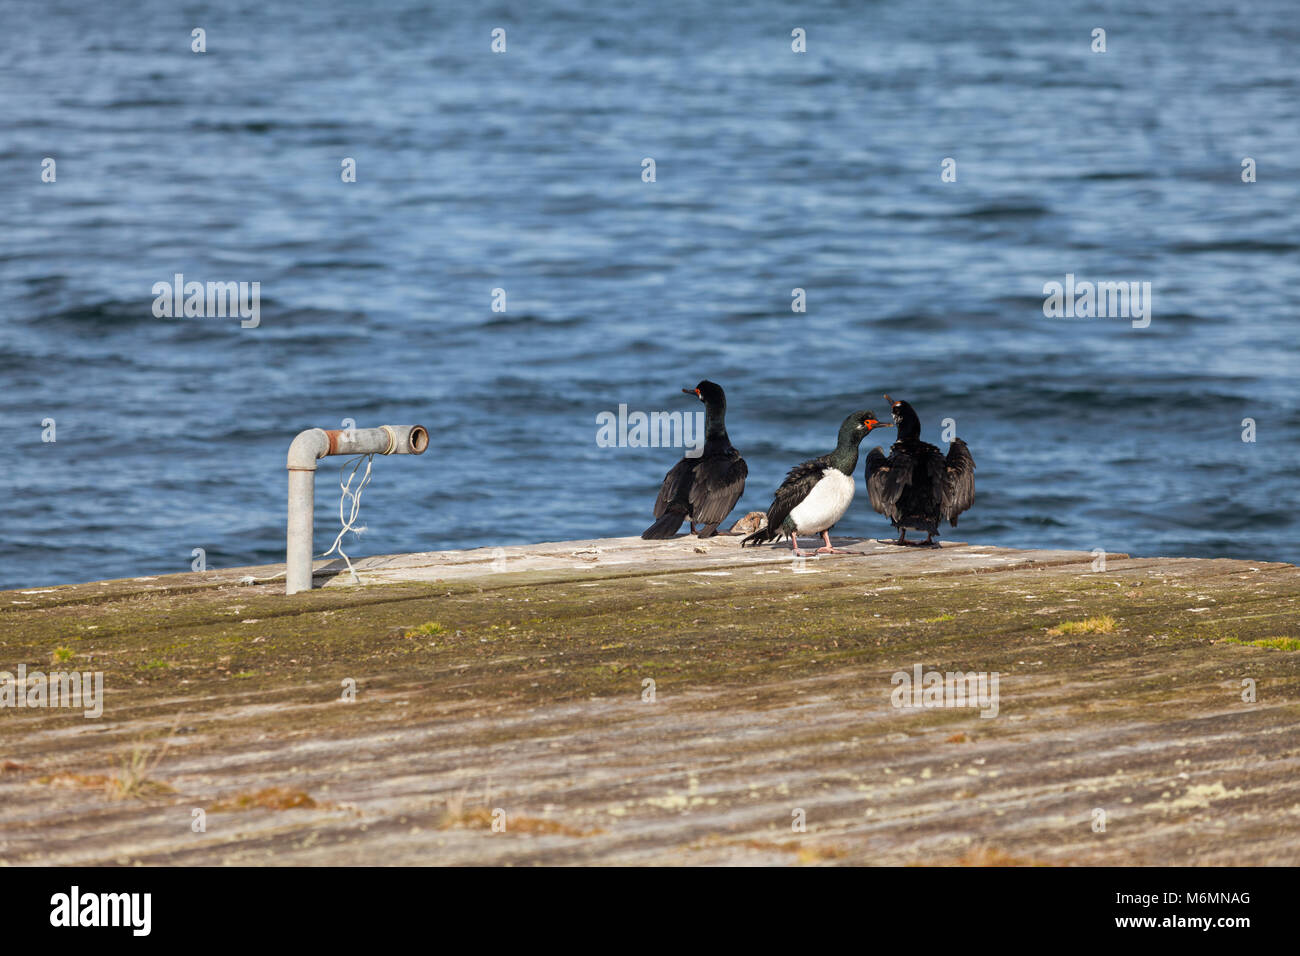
{"x": 986, "y": 856}
{"x": 271, "y": 798}
{"x": 1103, "y": 624}
{"x": 427, "y": 629}
{"x": 806, "y": 853}
{"x": 133, "y": 777}
{"x": 481, "y": 818}
{"x": 127, "y": 783}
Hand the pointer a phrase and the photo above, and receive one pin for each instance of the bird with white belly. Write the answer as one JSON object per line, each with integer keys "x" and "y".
{"x": 816, "y": 493}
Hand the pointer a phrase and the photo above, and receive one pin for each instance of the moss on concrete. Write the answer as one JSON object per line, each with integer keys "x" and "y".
{"x": 235, "y": 664}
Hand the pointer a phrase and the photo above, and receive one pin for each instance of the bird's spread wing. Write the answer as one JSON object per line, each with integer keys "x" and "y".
{"x": 887, "y": 479}
{"x": 958, "y": 481}
{"x": 718, "y": 484}
{"x": 794, "y": 489}
{"x": 677, "y": 485}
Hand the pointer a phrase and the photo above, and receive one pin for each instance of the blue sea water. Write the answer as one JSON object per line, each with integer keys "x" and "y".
{"x": 522, "y": 171}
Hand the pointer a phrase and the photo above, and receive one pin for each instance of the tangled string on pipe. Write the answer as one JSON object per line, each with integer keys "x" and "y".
{"x": 349, "y": 520}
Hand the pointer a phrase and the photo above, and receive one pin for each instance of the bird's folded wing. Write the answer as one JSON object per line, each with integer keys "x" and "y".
{"x": 717, "y": 486}
{"x": 798, "y": 483}
{"x": 676, "y": 484}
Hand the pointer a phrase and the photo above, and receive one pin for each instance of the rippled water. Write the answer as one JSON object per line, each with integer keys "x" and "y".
{"x": 522, "y": 171}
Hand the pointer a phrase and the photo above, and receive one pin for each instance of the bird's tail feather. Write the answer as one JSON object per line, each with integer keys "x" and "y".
{"x": 665, "y": 527}
{"x": 761, "y": 536}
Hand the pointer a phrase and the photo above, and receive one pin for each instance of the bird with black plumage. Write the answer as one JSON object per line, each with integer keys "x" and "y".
{"x": 916, "y": 485}
{"x": 702, "y": 490}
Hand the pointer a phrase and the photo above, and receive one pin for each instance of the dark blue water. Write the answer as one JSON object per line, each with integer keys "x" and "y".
{"x": 522, "y": 171}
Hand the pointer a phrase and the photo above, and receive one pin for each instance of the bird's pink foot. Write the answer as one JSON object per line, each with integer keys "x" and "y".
{"x": 829, "y": 549}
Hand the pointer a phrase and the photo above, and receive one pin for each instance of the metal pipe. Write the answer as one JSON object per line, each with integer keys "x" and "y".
{"x": 306, "y": 449}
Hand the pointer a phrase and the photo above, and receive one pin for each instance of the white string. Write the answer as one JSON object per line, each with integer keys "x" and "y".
{"x": 351, "y": 518}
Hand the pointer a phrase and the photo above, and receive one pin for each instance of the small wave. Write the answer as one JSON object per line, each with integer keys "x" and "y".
{"x": 111, "y": 313}
{"x": 1044, "y": 521}
{"x": 333, "y": 265}
{"x": 917, "y": 321}
{"x": 1236, "y": 245}
{"x": 506, "y": 321}
{"x": 1006, "y": 211}
{"x": 147, "y": 104}
{"x": 248, "y": 126}
{"x": 1119, "y": 174}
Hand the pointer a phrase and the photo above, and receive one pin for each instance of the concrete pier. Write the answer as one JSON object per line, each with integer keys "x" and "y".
{"x": 671, "y": 702}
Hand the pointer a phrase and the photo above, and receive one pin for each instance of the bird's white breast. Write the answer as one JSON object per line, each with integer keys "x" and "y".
{"x": 825, "y": 504}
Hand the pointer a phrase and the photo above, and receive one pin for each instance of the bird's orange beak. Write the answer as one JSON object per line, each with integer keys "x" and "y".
{"x": 692, "y": 391}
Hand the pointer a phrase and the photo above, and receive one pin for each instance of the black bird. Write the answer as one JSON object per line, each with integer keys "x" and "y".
{"x": 916, "y": 486}
{"x": 703, "y": 489}
{"x": 816, "y": 493}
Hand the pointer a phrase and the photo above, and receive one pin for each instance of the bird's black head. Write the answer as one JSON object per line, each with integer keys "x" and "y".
{"x": 905, "y": 417}
{"x": 858, "y": 426}
{"x": 710, "y": 393}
